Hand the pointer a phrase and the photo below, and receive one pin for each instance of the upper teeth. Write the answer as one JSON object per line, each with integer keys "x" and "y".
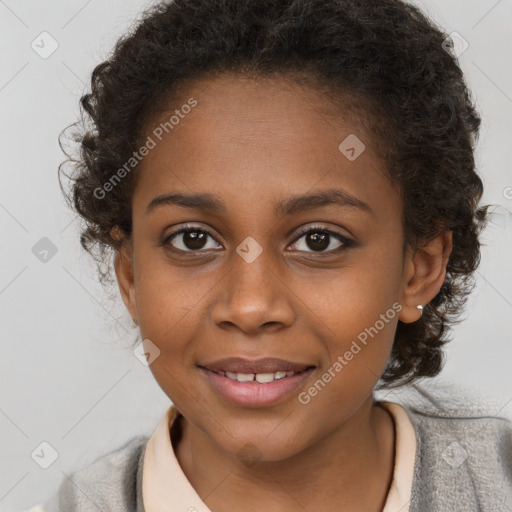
{"x": 258, "y": 377}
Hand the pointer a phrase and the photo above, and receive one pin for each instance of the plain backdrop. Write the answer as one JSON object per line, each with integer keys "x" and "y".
{"x": 67, "y": 375}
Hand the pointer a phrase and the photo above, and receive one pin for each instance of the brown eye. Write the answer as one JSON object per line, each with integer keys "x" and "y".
{"x": 189, "y": 239}
{"x": 319, "y": 239}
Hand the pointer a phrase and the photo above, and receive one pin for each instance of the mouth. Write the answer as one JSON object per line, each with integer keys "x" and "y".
{"x": 257, "y": 383}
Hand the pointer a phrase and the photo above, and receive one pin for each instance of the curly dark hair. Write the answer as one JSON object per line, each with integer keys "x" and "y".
{"x": 385, "y": 56}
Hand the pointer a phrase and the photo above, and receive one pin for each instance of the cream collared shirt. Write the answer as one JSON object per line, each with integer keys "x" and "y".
{"x": 164, "y": 482}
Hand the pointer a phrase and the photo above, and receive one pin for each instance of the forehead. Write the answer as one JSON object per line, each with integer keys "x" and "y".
{"x": 260, "y": 138}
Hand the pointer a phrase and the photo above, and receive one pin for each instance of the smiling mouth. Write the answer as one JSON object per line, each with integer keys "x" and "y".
{"x": 271, "y": 385}
{"x": 259, "y": 382}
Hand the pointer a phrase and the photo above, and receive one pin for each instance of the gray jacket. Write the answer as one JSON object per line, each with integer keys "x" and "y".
{"x": 463, "y": 462}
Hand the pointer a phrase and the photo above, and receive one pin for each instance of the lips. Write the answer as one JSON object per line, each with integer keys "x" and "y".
{"x": 247, "y": 366}
{"x": 256, "y": 382}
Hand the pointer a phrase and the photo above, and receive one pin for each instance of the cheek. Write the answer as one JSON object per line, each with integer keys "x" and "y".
{"x": 165, "y": 292}
{"x": 351, "y": 298}
{"x": 358, "y": 328}
{"x": 355, "y": 311}
{"x": 169, "y": 310}
{"x": 357, "y": 335}
{"x": 168, "y": 303}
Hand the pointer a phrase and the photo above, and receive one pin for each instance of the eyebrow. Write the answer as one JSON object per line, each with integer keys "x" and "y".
{"x": 295, "y": 204}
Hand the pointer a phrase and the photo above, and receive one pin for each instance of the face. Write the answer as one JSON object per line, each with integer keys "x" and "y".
{"x": 275, "y": 270}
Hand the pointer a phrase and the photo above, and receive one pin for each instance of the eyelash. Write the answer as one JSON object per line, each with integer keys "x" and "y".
{"x": 346, "y": 243}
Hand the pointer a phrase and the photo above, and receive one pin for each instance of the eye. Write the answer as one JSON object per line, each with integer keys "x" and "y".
{"x": 319, "y": 238}
{"x": 189, "y": 239}
{"x": 192, "y": 238}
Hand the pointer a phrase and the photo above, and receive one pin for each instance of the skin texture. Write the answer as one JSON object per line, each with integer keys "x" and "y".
{"x": 253, "y": 144}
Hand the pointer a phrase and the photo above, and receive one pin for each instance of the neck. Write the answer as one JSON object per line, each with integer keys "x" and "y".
{"x": 353, "y": 466}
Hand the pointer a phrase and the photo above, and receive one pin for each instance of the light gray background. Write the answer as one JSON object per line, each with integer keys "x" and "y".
{"x": 67, "y": 377}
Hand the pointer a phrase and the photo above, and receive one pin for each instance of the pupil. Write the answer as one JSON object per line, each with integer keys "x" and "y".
{"x": 321, "y": 239}
{"x": 194, "y": 239}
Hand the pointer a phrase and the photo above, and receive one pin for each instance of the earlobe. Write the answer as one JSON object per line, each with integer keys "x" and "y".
{"x": 123, "y": 266}
{"x": 424, "y": 276}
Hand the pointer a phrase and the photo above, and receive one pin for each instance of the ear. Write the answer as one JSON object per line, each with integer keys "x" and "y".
{"x": 424, "y": 274}
{"x": 123, "y": 265}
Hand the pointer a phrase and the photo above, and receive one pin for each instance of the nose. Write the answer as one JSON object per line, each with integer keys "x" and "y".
{"x": 254, "y": 297}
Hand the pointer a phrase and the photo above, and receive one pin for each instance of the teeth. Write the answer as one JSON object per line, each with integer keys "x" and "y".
{"x": 262, "y": 378}
{"x": 245, "y": 377}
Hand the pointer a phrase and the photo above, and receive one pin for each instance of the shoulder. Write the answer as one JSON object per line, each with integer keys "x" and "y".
{"x": 110, "y": 482}
{"x": 464, "y": 450}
